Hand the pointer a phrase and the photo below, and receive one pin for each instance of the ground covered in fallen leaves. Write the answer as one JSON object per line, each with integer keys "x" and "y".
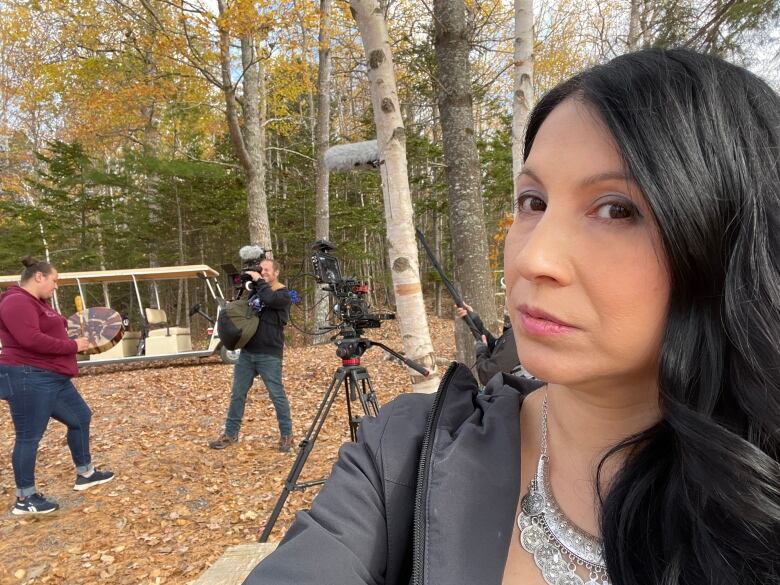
{"x": 175, "y": 504}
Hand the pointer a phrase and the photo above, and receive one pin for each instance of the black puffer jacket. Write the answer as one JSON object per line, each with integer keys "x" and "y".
{"x": 426, "y": 496}
{"x": 498, "y": 356}
{"x": 502, "y": 358}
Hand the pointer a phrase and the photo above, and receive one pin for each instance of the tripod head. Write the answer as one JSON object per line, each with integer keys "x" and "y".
{"x": 351, "y": 346}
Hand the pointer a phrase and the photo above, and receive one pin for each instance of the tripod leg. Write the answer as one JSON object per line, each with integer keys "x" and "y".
{"x": 370, "y": 403}
{"x": 304, "y": 449}
{"x": 360, "y": 389}
{"x": 366, "y": 394}
{"x": 350, "y": 394}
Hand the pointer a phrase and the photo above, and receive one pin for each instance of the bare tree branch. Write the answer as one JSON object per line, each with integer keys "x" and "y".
{"x": 290, "y": 151}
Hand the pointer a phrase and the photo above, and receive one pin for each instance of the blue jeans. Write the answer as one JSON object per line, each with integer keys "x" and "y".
{"x": 269, "y": 368}
{"x": 37, "y": 395}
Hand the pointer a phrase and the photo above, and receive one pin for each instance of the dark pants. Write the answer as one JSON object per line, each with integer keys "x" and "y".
{"x": 269, "y": 368}
{"x": 37, "y": 395}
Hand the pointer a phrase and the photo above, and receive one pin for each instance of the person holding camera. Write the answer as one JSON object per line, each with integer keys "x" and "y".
{"x": 37, "y": 363}
{"x": 262, "y": 356}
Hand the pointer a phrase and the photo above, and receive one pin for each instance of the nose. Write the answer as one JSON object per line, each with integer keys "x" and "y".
{"x": 542, "y": 251}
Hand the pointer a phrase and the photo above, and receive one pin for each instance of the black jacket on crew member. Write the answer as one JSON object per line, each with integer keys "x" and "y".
{"x": 500, "y": 355}
{"x": 269, "y": 338}
{"x": 427, "y": 495}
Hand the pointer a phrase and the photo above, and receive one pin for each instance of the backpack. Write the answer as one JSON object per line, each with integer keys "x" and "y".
{"x": 236, "y": 324}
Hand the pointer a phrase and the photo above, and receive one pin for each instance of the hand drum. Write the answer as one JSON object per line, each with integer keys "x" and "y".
{"x": 101, "y": 325}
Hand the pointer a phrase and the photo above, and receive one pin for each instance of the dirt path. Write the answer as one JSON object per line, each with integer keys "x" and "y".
{"x": 175, "y": 504}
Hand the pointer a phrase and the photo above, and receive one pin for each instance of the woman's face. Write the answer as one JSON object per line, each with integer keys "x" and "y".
{"x": 46, "y": 284}
{"x": 587, "y": 285}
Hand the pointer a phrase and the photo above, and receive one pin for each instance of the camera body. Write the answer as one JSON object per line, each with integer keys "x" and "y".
{"x": 350, "y": 295}
{"x": 245, "y": 280}
{"x": 251, "y": 257}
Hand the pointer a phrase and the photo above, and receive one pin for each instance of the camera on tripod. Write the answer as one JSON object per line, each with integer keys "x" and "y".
{"x": 353, "y": 311}
{"x": 351, "y": 305}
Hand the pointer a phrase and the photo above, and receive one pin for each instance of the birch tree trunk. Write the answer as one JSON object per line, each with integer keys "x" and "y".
{"x": 401, "y": 243}
{"x": 523, "y": 77}
{"x": 466, "y": 212}
{"x": 322, "y": 137}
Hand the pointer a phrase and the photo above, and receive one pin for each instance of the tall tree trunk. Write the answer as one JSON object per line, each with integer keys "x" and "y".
{"x": 523, "y": 78}
{"x": 401, "y": 244}
{"x": 647, "y": 16}
{"x": 254, "y": 136}
{"x": 437, "y": 249}
{"x": 151, "y": 134}
{"x": 634, "y": 33}
{"x": 102, "y": 256}
{"x": 181, "y": 294}
{"x": 462, "y": 171}
{"x": 435, "y": 132}
{"x": 249, "y": 142}
{"x": 322, "y": 137}
{"x": 311, "y": 115}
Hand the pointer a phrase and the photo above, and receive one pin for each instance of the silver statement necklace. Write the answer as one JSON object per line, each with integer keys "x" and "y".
{"x": 558, "y": 545}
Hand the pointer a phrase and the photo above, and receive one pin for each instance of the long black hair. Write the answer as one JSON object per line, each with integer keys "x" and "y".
{"x": 698, "y": 499}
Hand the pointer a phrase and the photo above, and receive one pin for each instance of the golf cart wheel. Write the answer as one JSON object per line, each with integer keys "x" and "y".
{"x": 229, "y": 356}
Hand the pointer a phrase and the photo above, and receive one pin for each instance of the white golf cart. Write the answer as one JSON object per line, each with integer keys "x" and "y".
{"x": 156, "y": 339}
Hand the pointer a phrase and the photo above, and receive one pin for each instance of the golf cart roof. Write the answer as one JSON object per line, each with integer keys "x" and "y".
{"x": 140, "y": 275}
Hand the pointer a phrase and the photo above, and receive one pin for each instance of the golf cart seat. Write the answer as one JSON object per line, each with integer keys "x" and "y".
{"x": 163, "y": 339}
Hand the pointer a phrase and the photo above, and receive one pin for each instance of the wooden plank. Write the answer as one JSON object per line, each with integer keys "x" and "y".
{"x": 235, "y": 564}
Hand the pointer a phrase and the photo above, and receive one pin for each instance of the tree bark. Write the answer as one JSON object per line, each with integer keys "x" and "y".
{"x": 462, "y": 170}
{"x": 437, "y": 250}
{"x": 102, "y": 256}
{"x": 322, "y": 138}
{"x": 182, "y": 289}
{"x": 633, "y": 26}
{"x": 249, "y": 142}
{"x": 523, "y": 83}
{"x": 401, "y": 243}
{"x": 151, "y": 134}
{"x": 254, "y": 136}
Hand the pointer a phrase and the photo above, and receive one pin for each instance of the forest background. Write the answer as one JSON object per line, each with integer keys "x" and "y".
{"x": 141, "y": 133}
{"x": 160, "y": 132}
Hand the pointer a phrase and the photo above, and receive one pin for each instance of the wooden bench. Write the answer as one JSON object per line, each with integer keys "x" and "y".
{"x": 235, "y": 564}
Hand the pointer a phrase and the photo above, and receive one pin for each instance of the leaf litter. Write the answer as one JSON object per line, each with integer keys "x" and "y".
{"x": 176, "y": 505}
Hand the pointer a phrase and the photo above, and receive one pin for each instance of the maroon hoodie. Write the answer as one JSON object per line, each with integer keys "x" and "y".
{"x": 34, "y": 334}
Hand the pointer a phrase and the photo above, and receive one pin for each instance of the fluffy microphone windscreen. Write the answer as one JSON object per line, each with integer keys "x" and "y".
{"x": 251, "y": 253}
{"x": 357, "y": 156}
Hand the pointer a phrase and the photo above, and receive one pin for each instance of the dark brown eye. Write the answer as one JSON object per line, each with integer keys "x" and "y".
{"x": 530, "y": 204}
{"x": 615, "y": 211}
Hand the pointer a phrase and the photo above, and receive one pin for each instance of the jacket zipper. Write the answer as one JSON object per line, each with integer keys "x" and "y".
{"x": 418, "y": 540}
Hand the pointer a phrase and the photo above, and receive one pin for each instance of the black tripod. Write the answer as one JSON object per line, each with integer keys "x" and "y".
{"x": 357, "y": 386}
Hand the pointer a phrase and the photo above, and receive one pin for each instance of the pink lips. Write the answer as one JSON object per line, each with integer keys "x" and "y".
{"x": 537, "y": 322}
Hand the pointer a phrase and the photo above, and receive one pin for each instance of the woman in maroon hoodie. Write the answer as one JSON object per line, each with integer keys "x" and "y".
{"x": 37, "y": 363}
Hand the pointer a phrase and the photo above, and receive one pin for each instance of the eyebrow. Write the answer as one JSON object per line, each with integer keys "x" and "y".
{"x": 608, "y": 176}
{"x": 594, "y": 179}
{"x": 530, "y": 173}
